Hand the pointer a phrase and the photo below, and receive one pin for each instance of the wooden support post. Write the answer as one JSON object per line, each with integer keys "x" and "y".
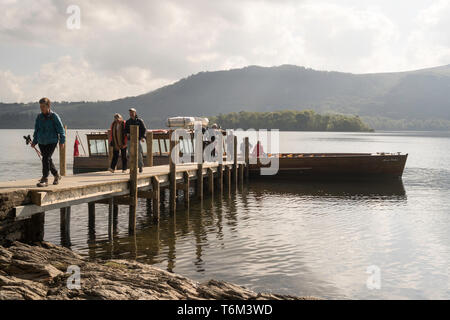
{"x": 148, "y": 202}
{"x": 186, "y": 188}
{"x": 134, "y": 136}
{"x": 156, "y": 194}
{"x": 91, "y": 221}
{"x": 91, "y": 209}
{"x": 210, "y": 181}
{"x": 150, "y": 149}
{"x": 220, "y": 178}
{"x": 110, "y": 217}
{"x": 247, "y": 158}
{"x": 65, "y": 226}
{"x": 34, "y": 228}
{"x": 228, "y": 179}
{"x": 235, "y": 163}
{"x": 115, "y": 217}
{"x": 241, "y": 174}
{"x": 62, "y": 156}
{"x": 172, "y": 176}
{"x": 199, "y": 184}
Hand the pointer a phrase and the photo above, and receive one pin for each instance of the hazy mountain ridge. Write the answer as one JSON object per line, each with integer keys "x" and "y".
{"x": 414, "y": 95}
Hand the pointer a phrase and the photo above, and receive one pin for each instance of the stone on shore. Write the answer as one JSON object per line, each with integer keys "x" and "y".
{"x": 40, "y": 272}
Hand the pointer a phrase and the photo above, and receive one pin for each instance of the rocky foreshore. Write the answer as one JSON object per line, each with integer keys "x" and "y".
{"x": 40, "y": 272}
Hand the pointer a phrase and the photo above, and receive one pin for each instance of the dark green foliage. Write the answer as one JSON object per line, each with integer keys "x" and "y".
{"x": 291, "y": 120}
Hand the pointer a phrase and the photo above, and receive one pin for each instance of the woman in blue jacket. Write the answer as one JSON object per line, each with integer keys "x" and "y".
{"x": 48, "y": 130}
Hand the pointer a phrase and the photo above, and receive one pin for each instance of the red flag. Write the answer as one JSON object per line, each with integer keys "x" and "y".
{"x": 76, "y": 153}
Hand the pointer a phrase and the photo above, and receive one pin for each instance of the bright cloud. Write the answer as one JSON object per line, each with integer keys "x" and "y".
{"x": 133, "y": 47}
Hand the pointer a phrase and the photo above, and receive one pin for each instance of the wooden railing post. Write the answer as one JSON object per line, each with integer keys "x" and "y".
{"x": 62, "y": 156}
{"x": 149, "y": 149}
{"x": 134, "y": 136}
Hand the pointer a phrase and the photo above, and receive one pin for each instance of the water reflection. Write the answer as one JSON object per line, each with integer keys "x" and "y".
{"x": 157, "y": 242}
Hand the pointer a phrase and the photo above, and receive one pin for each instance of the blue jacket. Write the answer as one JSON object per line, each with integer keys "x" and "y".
{"x": 48, "y": 128}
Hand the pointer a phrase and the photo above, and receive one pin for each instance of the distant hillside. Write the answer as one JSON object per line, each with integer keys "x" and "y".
{"x": 412, "y": 97}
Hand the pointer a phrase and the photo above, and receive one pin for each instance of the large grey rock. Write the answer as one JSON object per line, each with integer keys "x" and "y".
{"x": 40, "y": 272}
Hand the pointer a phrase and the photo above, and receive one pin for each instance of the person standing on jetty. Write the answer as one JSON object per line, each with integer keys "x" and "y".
{"x": 118, "y": 141}
{"x": 134, "y": 120}
{"x": 48, "y": 130}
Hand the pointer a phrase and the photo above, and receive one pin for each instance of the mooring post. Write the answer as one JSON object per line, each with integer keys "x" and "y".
{"x": 172, "y": 174}
{"x": 235, "y": 162}
{"x": 134, "y": 136}
{"x": 186, "y": 188}
{"x": 62, "y": 156}
{"x": 149, "y": 149}
{"x": 65, "y": 226}
{"x": 247, "y": 158}
{"x": 155, "y": 200}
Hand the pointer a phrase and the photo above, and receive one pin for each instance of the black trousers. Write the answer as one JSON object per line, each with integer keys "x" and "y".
{"x": 47, "y": 162}
{"x": 115, "y": 158}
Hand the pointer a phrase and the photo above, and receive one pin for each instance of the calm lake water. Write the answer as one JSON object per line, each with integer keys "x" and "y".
{"x": 295, "y": 238}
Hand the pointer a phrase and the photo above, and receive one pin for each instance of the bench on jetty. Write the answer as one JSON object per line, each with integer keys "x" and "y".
{"x": 124, "y": 189}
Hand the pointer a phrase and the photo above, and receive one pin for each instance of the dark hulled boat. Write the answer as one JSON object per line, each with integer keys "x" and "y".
{"x": 339, "y": 166}
{"x": 298, "y": 166}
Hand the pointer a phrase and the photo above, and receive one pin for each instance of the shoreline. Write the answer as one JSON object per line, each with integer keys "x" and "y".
{"x": 40, "y": 272}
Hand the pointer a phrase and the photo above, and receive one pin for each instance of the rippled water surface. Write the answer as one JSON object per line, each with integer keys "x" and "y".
{"x": 291, "y": 237}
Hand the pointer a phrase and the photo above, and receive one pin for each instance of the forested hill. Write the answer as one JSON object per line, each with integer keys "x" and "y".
{"x": 406, "y": 98}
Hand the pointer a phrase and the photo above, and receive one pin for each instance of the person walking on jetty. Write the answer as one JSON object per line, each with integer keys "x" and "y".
{"x": 48, "y": 130}
{"x": 118, "y": 141}
{"x": 135, "y": 120}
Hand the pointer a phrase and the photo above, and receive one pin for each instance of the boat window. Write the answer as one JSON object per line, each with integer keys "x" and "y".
{"x": 189, "y": 146}
{"x": 163, "y": 145}
{"x": 98, "y": 147}
{"x": 181, "y": 145}
{"x": 93, "y": 146}
{"x": 186, "y": 144}
{"x": 156, "y": 146}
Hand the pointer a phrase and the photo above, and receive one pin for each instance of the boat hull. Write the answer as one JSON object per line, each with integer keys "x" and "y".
{"x": 337, "y": 166}
{"x": 299, "y": 166}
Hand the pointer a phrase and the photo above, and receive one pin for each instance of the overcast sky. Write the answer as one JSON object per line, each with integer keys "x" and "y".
{"x": 125, "y": 48}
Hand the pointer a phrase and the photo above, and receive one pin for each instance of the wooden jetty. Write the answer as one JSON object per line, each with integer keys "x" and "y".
{"x": 117, "y": 189}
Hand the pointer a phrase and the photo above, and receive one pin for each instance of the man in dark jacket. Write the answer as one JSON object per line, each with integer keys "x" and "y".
{"x": 136, "y": 121}
{"x": 48, "y": 130}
